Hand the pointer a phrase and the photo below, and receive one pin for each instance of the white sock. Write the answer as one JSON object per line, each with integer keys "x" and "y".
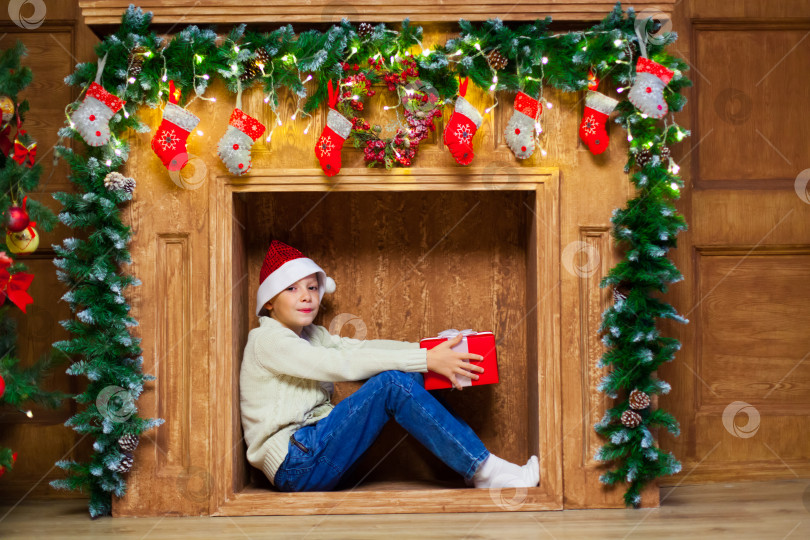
{"x": 495, "y": 472}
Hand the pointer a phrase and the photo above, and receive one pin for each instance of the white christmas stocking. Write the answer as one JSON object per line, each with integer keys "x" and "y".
{"x": 520, "y": 129}
{"x": 647, "y": 93}
{"x": 92, "y": 118}
{"x": 234, "y": 146}
{"x": 461, "y": 127}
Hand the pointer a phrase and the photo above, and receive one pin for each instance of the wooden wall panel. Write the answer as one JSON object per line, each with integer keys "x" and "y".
{"x": 751, "y": 137}
{"x": 739, "y": 383}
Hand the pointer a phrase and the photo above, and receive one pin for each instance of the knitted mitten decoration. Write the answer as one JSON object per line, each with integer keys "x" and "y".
{"x": 234, "y": 147}
{"x": 520, "y": 129}
{"x": 337, "y": 130}
{"x": 461, "y": 127}
{"x": 647, "y": 93}
{"x": 92, "y": 118}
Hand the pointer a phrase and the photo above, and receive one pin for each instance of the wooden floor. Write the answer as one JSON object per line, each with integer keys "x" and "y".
{"x": 776, "y": 509}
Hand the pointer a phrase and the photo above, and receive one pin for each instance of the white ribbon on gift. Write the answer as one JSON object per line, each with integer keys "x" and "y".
{"x": 463, "y": 347}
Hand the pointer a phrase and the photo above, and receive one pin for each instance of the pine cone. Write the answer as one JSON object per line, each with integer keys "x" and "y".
{"x": 665, "y": 153}
{"x": 643, "y": 157}
{"x": 136, "y": 60}
{"x": 128, "y": 442}
{"x": 631, "y": 419}
{"x": 639, "y": 400}
{"x": 125, "y": 464}
{"x": 116, "y": 180}
{"x": 497, "y": 60}
{"x": 364, "y": 30}
{"x": 262, "y": 57}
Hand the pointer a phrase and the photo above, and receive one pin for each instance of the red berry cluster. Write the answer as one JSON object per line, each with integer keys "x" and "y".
{"x": 360, "y": 124}
{"x": 409, "y": 71}
{"x": 362, "y": 87}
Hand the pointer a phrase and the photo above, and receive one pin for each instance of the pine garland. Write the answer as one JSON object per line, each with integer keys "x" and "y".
{"x": 530, "y": 57}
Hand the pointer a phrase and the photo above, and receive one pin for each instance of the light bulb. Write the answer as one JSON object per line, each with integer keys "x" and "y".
{"x": 164, "y": 78}
{"x": 198, "y": 58}
{"x": 354, "y": 50}
{"x": 545, "y": 60}
{"x": 456, "y": 53}
{"x": 267, "y": 99}
{"x": 643, "y": 115}
{"x": 543, "y": 151}
{"x": 629, "y": 138}
{"x": 309, "y": 78}
{"x": 618, "y": 43}
{"x": 674, "y": 186}
{"x": 214, "y": 99}
{"x": 278, "y": 120}
{"x": 486, "y": 111}
{"x": 236, "y": 48}
{"x": 495, "y": 79}
{"x": 538, "y": 127}
{"x": 117, "y": 152}
{"x": 109, "y": 163}
{"x": 294, "y": 115}
{"x": 233, "y": 67}
{"x": 284, "y": 58}
{"x": 131, "y": 80}
{"x": 548, "y": 104}
{"x": 269, "y": 136}
{"x": 355, "y": 97}
{"x": 306, "y": 130}
{"x": 385, "y": 107}
{"x": 478, "y": 46}
{"x": 426, "y": 52}
{"x": 491, "y": 88}
{"x": 199, "y": 132}
{"x": 126, "y": 115}
{"x": 674, "y": 168}
{"x": 148, "y": 54}
{"x": 206, "y": 77}
{"x": 29, "y": 414}
{"x": 620, "y": 90}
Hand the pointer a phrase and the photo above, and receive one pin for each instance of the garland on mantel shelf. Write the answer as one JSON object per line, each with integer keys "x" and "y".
{"x": 136, "y": 68}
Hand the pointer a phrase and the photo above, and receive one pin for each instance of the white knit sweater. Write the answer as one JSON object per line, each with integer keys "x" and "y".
{"x": 280, "y": 388}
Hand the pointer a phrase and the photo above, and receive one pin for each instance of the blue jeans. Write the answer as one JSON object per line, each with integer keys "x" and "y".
{"x": 321, "y": 453}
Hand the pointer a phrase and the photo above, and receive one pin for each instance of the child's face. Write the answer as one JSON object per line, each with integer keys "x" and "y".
{"x": 296, "y": 306}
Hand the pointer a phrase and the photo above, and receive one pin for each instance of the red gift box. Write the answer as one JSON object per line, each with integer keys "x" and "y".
{"x": 482, "y": 343}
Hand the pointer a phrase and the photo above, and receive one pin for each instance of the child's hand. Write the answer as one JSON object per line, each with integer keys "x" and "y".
{"x": 443, "y": 360}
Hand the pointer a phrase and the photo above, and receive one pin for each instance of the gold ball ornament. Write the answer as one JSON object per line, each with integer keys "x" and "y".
{"x": 7, "y": 108}
{"x": 25, "y": 241}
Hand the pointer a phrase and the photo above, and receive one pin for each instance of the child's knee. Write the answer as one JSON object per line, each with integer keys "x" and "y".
{"x": 401, "y": 378}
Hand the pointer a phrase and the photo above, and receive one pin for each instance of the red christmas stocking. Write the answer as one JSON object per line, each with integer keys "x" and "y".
{"x": 520, "y": 129}
{"x": 647, "y": 93}
{"x": 592, "y": 129}
{"x": 169, "y": 143}
{"x": 337, "y": 130}
{"x": 461, "y": 127}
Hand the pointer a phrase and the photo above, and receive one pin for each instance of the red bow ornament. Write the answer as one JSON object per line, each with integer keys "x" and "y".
{"x": 22, "y": 152}
{"x": 14, "y": 286}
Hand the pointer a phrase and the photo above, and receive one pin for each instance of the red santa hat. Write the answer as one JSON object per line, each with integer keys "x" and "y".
{"x": 283, "y": 266}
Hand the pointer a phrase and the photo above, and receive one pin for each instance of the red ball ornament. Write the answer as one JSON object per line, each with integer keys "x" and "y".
{"x": 2, "y": 386}
{"x": 17, "y": 218}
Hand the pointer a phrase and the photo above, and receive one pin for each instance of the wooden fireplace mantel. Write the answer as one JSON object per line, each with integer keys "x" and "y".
{"x": 99, "y": 13}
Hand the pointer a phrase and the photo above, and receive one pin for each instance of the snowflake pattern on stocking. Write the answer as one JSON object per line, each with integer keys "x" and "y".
{"x": 590, "y": 125}
{"x": 168, "y": 139}
{"x": 464, "y": 134}
{"x": 325, "y": 146}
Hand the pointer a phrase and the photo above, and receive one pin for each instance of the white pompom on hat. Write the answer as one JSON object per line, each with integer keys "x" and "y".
{"x": 283, "y": 266}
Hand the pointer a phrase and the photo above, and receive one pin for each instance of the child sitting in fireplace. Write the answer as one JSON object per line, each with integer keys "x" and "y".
{"x": 304, "y": 443}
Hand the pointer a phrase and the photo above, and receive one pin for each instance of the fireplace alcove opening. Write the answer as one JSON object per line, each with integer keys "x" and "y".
{"x": 409, "y": 263}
